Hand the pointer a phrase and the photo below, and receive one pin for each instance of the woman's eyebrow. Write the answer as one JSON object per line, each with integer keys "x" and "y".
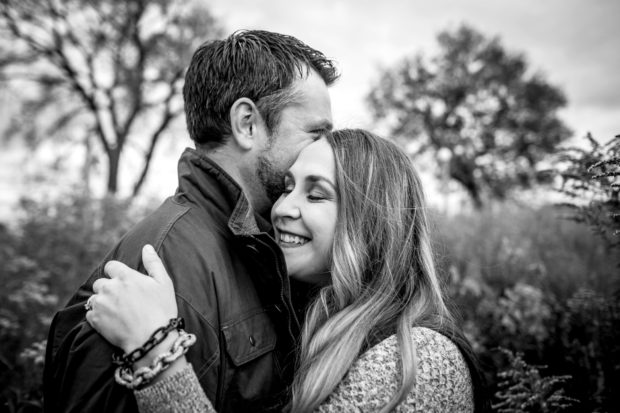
{"x": 319, "y": 178}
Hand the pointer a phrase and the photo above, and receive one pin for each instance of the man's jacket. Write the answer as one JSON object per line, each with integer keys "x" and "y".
{"x": 231, "y": 288}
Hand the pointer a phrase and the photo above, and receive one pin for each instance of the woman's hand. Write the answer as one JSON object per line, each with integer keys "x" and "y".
{"x": 129, "y": 306}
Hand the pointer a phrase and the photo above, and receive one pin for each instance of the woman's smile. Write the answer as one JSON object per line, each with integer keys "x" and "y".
{"x": 290, "y": 240}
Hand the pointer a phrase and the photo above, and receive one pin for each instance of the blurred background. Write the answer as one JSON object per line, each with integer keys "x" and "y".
{"x": 509, "y": 110}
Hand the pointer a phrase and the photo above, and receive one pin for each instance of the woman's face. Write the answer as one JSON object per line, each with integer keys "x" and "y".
{"x": 304, "y": 217}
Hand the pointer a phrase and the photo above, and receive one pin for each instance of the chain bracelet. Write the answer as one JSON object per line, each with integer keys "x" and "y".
{"x": 144, "y": 375}
{"x": 127, "y": 360}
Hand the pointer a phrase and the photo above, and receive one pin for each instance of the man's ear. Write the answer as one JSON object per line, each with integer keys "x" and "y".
{"x": 244, "y": 122}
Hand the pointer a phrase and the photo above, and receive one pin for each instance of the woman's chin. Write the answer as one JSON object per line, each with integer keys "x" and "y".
{"x": 310, "y": 277}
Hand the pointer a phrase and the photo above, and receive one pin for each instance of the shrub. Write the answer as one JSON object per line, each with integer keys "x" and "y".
{"x": 523, "y": 389}
{"x": 524, "y": 280}
{"x": 47, "y": 253}
{"x": 589, "y": 179}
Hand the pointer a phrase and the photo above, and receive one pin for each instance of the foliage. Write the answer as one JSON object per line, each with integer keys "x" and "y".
{"x": 104, "y": 69}
{"x": 587, "y": 333}
{"x": 589, "y": 179}
{"x": 529, "y": 282}
{"x": 523, "y": 280}
{"x": 476, "y": 108}
{"x": 523, "y": 389}
{"x": 46, "y": 254}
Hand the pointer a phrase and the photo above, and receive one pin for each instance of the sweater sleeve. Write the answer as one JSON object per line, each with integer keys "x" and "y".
{"x": 442, "y": 384}
{"x": 180, "y": 392}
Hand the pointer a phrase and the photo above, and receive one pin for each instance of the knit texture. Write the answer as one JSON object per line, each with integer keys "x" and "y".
{"x": 180, "y": 392}
{"x": 443, "y": 383}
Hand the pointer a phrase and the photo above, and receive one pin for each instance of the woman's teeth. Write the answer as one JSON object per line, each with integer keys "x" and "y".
{"x": 292, "y": 239}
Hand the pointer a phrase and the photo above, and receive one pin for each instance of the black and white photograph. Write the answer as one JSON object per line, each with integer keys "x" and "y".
{"x": 222, "y": 206}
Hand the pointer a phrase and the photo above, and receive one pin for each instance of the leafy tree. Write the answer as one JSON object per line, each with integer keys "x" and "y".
{"x": 476, "y": 107}
{"x": 105, "y": 69}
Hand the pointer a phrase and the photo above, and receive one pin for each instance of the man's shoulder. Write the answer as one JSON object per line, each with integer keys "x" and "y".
{"x": 175, "y": 224}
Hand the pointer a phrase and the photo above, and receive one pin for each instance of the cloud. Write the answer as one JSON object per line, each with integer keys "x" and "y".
{"x": 574, "y": 43}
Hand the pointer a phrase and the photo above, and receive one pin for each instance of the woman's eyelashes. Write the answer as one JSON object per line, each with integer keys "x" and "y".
{"x": 315, "y": 197}
{"x": 318, "y": 194}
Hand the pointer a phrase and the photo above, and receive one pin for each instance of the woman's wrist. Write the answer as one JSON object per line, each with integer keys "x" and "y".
{"x": 160, "y": 352}
{"x": 176, "y": 366}
{"x": 139, "y": 341}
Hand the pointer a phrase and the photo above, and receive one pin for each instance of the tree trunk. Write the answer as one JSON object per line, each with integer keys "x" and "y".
{"x": 113, "y": 161}
{"x": 462, "y": 171}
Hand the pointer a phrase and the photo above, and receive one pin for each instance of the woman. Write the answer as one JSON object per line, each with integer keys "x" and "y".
{"x": 378, "y": 334}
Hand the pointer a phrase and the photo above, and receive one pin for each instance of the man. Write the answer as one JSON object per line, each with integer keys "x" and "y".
{"x": 252, "y": 102}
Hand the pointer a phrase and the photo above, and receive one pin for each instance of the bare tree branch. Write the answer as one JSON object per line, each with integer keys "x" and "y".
{"x": 167, "y": 117}
{"x": 97, "y": 55}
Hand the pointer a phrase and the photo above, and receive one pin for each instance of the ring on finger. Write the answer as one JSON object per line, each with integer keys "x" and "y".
{"x": 89, "y": 305}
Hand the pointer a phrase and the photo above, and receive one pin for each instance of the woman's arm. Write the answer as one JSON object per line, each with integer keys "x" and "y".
{"x": 442, "y": 378}
{"x": 179, "y": 392}
{"x": 126, "y": 309}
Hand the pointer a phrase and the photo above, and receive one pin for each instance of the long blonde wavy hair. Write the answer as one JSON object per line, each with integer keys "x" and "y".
{"x": 382, "y": 271}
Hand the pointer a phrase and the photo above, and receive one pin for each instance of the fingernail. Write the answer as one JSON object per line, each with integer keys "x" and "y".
{"x": 149, "y": 249}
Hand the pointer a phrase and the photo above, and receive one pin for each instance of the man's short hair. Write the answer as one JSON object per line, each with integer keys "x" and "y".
{"x": 255, "y": 64}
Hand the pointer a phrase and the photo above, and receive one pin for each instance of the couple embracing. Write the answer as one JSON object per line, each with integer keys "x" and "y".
{"x": 291, "y": 271}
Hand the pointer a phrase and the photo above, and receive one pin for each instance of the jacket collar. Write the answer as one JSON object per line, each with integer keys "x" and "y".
{"x": 200, "y": 175}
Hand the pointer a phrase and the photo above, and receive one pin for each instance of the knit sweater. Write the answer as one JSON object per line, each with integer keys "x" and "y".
{"x": 442, "y": 384}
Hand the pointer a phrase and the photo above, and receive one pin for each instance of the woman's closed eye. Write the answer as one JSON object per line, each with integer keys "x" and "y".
{"x": 316, "y": 193}
{"x": 316, "y": 197}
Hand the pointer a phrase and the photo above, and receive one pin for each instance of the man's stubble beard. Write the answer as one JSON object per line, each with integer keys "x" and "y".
{"x": 270, "y": 177}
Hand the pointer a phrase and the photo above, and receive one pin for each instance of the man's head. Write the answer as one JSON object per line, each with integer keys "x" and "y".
{"x": 258, "y": 65}
{"x": 258, "y": 98}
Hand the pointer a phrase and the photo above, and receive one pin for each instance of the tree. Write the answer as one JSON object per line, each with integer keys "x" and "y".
{"x": 476, "y": 107}
{"x": 105, "y": 69}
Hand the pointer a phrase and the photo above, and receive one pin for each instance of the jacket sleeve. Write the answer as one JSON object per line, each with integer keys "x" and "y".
{"x": 79, "y": 374}
{"x": 180, "y": 392}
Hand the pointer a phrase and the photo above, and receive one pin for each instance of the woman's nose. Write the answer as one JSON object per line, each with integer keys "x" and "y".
{"x": 287, "y": 206}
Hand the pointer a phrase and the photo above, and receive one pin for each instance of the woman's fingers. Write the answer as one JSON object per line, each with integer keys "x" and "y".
{"x": 153, "y": 265}
{"x": 129, "y": 306}
{"x": 98, "y": 306}
{"x": 151, "y": 261}
{"x": 103, "y": 318}
{"x": 98, "y": 285}
{"x": 116, "y": 269}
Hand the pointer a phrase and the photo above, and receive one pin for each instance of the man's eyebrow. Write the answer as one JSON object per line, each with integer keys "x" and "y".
{"x": 324, "y": 126}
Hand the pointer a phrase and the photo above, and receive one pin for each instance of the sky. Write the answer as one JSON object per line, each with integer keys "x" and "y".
{"x": 574, "y": 44}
